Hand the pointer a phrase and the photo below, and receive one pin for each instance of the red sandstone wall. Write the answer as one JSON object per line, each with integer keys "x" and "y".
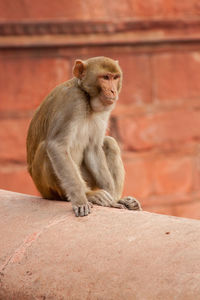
{"x": 157, "y": 120}
{"x": 103, "y": 9}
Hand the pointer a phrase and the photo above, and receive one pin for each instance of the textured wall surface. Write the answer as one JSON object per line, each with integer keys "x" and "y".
{"x": 110, "y": 254}
{"x": 157, "y": 118}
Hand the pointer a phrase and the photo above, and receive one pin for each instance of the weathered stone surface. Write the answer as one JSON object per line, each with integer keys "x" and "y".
{"x": 136, "y": 75}
{"x": 159, "y": 129}
{"x": 25, "y": 81}
{"x": 177, "y": 76}
{"x": 48, "y": 253}
{"x": 126, "y": 9}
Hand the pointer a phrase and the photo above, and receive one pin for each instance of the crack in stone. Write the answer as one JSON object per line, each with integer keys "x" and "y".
{"x": 19, "y": 253}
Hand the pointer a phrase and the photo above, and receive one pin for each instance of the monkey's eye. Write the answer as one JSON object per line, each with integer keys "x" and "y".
{"x": 116, "y": 77}
{"x": 106, "y": 77}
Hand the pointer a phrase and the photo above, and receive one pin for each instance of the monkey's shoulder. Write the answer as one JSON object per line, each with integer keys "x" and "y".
{"x": 65, "y": 103}
{"x": 67, "y": 93}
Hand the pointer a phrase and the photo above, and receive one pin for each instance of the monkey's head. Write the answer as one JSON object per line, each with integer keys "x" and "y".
{"x": 101, "y": 78}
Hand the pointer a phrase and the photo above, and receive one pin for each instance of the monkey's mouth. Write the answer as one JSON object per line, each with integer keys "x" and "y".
{"x": 108, "y": 100}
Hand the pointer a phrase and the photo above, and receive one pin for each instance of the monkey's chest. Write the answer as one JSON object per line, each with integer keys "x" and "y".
{"x": 87, "y": 135}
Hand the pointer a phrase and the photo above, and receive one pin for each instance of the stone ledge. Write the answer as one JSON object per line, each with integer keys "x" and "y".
{"x": 47, "y": 253}
{"x": 63, "y": 33}
{"x": 54, "y": 27}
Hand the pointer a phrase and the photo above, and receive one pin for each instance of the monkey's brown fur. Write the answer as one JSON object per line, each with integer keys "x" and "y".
{"x": 69, "y": 157}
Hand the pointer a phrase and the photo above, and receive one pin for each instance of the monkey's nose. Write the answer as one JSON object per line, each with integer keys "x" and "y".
{"x": 113, "y": 92}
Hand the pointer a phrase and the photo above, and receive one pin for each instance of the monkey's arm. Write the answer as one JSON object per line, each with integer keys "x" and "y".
{"x": 69, "y": 177}
{"x": 95, "y": 160}
{"x": 59, "y": 137}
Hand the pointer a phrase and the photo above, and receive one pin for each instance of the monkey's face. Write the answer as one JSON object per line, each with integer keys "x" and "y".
{"x": 109, "y": 87}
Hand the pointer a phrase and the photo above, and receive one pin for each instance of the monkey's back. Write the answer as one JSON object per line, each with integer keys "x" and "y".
{"x": 39, "y": 126}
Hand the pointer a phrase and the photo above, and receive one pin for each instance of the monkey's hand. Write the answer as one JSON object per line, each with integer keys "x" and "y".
{"x": 81, "y": 210}
{"x": 102, "y": 198}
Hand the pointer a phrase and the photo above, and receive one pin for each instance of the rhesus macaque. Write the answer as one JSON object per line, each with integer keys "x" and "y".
{"x": 69, "y": 157}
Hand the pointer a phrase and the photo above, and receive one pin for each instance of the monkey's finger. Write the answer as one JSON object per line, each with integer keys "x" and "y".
{"x": 137, "y": 205}
{"x": 89, "y": 206}
{"x": 134, "y": 206}
{"x": 86, "y": 210}
{"x": 76, "y": 210}
{"x": 83, "y": 211}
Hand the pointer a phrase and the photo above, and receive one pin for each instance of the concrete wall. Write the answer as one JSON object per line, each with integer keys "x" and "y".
{"x": 157, "y": 119}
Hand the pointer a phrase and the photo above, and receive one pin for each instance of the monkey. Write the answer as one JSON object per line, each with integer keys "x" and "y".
{"x": 69, "y": 156}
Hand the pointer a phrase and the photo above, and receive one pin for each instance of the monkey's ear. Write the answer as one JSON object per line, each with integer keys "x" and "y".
{"x": 79, "y": 68}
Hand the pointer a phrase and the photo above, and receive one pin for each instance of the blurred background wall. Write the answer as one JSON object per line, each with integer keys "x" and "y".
{"x": 157, "y": 119}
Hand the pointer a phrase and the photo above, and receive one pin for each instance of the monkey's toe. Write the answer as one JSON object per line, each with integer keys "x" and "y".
{"x": 118, "y": 205}
{"x": 130, "y": 203}
{"x": 101, "y": 198}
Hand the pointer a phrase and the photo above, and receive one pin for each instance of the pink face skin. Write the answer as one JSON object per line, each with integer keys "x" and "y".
{"x": 109, "y": 88}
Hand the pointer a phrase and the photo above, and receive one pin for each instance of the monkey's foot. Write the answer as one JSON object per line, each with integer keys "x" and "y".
{"x": 130, "y": 203}
{"x": 100, "y": 197}
{"x": 103, "y": 198}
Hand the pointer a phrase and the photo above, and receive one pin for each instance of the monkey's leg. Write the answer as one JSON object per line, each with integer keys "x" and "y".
{"x": 116, "y": 168}
{"x": 95, "y": 195}
{"x": 100, "y": 195}
{"x": 44, "y": 177}
{"x": 115, "y": 164}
